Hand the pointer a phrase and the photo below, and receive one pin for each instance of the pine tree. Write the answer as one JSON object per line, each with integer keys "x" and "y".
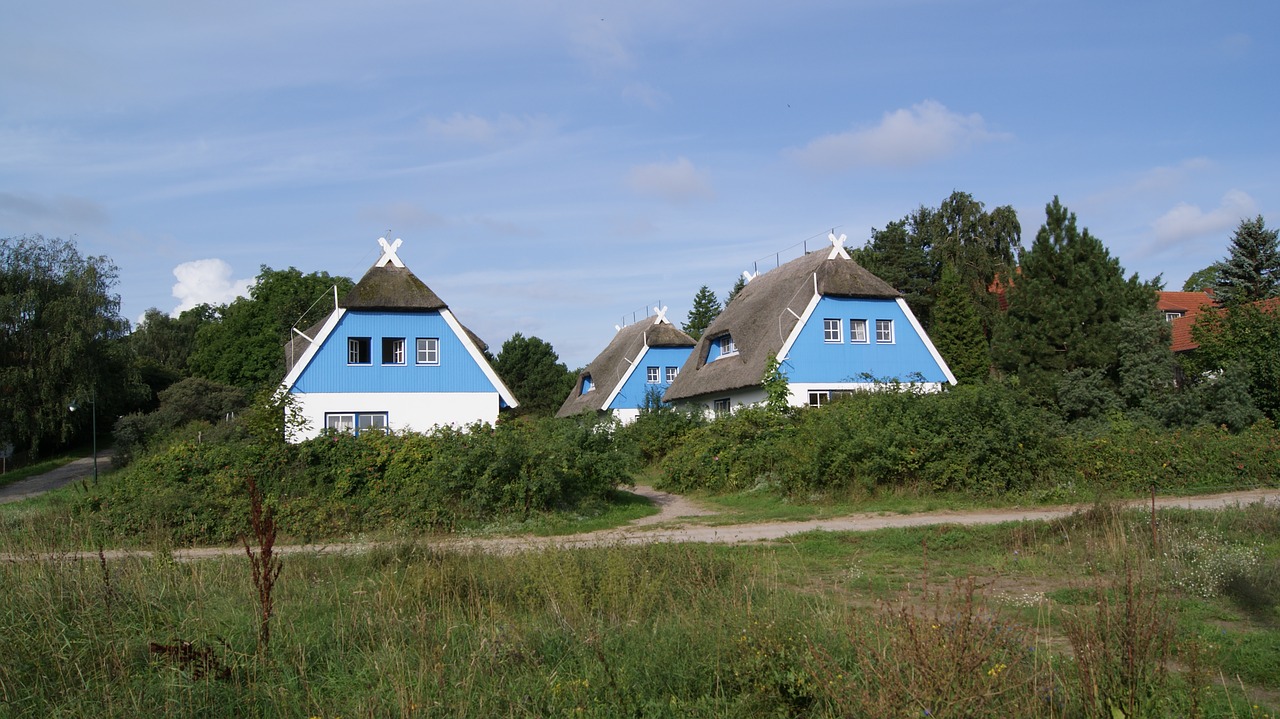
{"x": 957, "y": 330}
{"x": 733, "y": 291}
{"x": 705, "y": 309}
{"x": 1066, "y": 306}
{"x": 1251, "y": 272}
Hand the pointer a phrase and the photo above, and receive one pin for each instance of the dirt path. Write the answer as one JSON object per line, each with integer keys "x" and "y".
{"x": 55, "y": 479}
{"x": 667, "y": 526}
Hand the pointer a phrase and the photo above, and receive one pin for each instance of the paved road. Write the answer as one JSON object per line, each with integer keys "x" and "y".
{"x": 60, "y": 477}
{"x": 671, "y": 525}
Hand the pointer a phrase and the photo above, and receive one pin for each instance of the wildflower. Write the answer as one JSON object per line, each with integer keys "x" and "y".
{"x": 995, "y": 670}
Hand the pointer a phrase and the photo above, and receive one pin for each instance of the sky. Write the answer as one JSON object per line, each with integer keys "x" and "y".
{"x": 558, "y": 168}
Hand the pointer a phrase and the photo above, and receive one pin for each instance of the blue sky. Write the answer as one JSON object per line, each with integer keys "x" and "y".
{"x": 554, "y": 167}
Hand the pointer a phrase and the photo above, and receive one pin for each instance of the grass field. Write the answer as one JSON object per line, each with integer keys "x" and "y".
{"x": 1084, "y": 616}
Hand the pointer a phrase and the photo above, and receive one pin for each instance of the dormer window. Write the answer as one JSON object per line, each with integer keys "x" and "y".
{"x": 586, "y": 384}
{"x": 1171, "y": 315}
{"x": 724, "y": 345}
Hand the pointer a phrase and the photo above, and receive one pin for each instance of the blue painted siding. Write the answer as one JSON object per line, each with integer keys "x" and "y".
{"x": 632, "y": 394}
{"x": 713, "y": 349}
{"x": 812, "y": 359}
{"x": 329, "y": 371}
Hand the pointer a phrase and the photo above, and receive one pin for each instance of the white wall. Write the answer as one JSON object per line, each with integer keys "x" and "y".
{"x": 418, "y": 411}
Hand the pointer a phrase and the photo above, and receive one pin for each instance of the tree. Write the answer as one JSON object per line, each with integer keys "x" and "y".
{"x": 162, "y": 344}
{"x": 1246, "y": 337}
{"x": 957, "y": 330}
{"x": 243, "y": 344}
{"x": 738, "y": 284}
{"x": 60, "y": 341}
{"x": 705, "y": 309}
{"x": 982, "y": 246}
{"x": 533, "y": 372}
{"x": 1201, "y": 280}
{"x": 1251, "y": 271}
{"x": 1066, "y": 307}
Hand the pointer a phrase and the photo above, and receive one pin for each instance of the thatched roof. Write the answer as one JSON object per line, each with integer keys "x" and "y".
{"x": 391, "y": 288}
{"x": 762, "y": 316}
{"x": 608, "y": 369}
{"x": 382, "y": 288}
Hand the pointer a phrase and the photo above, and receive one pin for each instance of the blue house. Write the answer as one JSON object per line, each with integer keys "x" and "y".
{"x": 640, "y": 363}
{"x": 391, "y": 356}
{"x": 834, "y": 327}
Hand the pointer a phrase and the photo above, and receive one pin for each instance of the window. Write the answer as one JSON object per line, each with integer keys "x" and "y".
{"x": 392, "y": 350}
{"x": 428, "y": 350}
{"x": 858, "y": 331}
{"x": 824, "y": 397}
{"x": 358, "y": 350}
{"x": 831, "y": 330}
{"x": 672, "y": 373}
{"x": 725, "y": 346}
{"x": 356, "y": 422}
{"x": 884, "y": 331}
{"x": 1171, "y": 315}
{"x": 651, "y": 375}
{"x": 720, "y": 406}
{"x": 586, "y": 384}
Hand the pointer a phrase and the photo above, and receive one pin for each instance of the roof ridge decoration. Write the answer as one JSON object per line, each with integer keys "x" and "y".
{"x": 389, "y": 253}
{"x": 661, "y": 315}
{"x": 837, "y": 246}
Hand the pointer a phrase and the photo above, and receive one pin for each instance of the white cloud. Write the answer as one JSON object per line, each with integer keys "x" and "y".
{"x": 925, "y": 132}
{"x": 645, "y": 94}
{"x": 677, "y": 181}
{"x": 477, "y": 129}
{"x": 208, "y": 281}
{"x": 1185, "y": 221}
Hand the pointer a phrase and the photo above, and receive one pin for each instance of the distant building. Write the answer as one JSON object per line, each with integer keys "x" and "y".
{"x": 834, "y": 327}
{"x": 1180, "y": 310}
{"x": 638, "y": 365}
{"x": 391, "y": 356}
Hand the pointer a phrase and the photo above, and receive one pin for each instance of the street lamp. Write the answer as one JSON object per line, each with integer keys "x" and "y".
{"x": 93, "y": 411}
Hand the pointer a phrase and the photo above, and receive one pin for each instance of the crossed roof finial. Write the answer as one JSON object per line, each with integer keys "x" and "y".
{"x": 389, "y": 253}
{"x": 662, "y": 315}
{"x": 837, "y": 246}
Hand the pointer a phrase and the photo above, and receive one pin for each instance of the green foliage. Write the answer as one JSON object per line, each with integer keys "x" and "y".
{"x": 1246, "y": 336}
{"x": 1066, "y": 307}
{"x": 61, "y": 340}
{"x": 192, "y": 490}
{"x": 162, "y": 344}
{"x": 242, "y": 345}
{"x": 192, "y": 400}
{"x": 705, "y": 309}
{"x": 980, "y": 246}
{"x": 977, "y": 438}
{"x": 777, "y": 392}
{"x": 957, "y": 330}
{"x": 1251, "y": 271}
{"x": 532, "y": 370}
{"x": 1202, "y": 279}
{"x": 738, "y": 284}
{"x": 659, "y": 428}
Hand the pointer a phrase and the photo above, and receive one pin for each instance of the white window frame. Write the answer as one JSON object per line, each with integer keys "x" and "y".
{"x": 721, "y": 407}
{"x": 884, "y": 332}
{"x": 427, "y": 350}
{"x": 396, "y": 344}
{"x": 672, "y": 373}
{"x": 858, "y": 332}
{"x": 726, "y": 346}
{"x": 831, "y": 331}
{"x": 1171, "y": 315}
{"x": 354, "y": 345}
{"x": 651, "y": 375}
{"x": 355, "y": 422}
